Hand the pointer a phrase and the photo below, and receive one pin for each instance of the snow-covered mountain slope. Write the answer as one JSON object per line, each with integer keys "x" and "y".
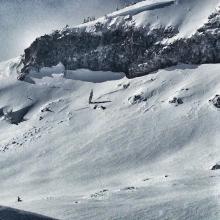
{"x": 136, "y": 40}
{"x": 143, "y": 149}
{"x": 185, "y": 15}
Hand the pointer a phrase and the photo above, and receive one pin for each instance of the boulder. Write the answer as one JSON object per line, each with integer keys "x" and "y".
{"x": 216, "y": 101}
{"x": 216, "y": 167}
{"x": 138, "y": 98}
{"x": 177, "y": 101}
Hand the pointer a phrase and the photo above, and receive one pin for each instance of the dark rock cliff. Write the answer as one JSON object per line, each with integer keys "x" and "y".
{"x": 135, "y": 51}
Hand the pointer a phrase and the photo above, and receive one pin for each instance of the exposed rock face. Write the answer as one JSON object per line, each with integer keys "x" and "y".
{"x": 202, "y": 47}
{"x": 176, "y": 101}
{"x": 16, "y": 117}
{"x": 216, "y": 101}
{"x": 216, "y": 167}
{"x": 124, "y": 48}
{"x": 137, "y": 98}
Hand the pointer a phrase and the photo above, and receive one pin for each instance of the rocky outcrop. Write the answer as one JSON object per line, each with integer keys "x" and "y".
{"x": 176, "y": 101}
{"x": 215, "y": 101}
{"x": 202, "y": 47}
{"x": 124, "y": 48}
{"x": 216, "y": 167}
{"x": 16, "y": 117}
{"x": 137, "y": 98}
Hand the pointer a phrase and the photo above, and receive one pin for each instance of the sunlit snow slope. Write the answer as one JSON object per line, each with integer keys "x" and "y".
{"x": 134, "y": 153}
{"x": 144, "y": 148}
{"x": 185, "y": 15}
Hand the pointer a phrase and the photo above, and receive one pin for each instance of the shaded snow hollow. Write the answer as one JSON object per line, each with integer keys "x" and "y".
{"x": 15, "y": 214}
{"x": 142, "y": 157}
{"x": 80, "y": 74}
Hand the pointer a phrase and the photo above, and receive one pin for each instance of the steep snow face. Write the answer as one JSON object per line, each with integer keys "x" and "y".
{"x": 185, "y": 15}
{"x": 143, "y": 148}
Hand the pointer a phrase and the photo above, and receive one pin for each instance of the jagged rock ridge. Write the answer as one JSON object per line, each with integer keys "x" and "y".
{"x": 125, "y": 48}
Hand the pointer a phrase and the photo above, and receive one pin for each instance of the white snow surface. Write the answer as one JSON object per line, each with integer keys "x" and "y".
{"x": 185, "y": 15}
{"x": 140, "y": 158}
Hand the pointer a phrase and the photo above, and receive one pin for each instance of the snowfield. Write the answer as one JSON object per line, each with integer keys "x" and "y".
{"x": 143, "y": 149}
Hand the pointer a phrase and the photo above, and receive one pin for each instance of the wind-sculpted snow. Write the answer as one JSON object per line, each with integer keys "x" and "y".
{"x": 140, "y": 7}
{"x": 16, "y": 117}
